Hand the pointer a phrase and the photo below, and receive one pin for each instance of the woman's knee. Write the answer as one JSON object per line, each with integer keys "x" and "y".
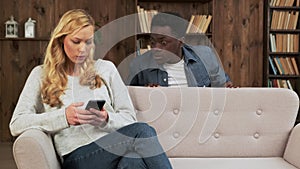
{"x": 145, "y": 129}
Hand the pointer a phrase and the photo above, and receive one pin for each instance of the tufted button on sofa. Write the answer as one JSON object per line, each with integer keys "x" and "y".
{"x": 211, "y": 128}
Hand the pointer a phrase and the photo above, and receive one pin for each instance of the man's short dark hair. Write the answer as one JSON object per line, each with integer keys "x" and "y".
{"x": 177, "y": 24}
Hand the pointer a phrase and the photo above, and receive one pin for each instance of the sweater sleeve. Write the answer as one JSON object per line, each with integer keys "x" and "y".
{"x": 124, "y": 112}
{"x": 30, "y": 113}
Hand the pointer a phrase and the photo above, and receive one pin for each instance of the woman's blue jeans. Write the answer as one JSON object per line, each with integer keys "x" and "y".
{"x": 133, "y": 147}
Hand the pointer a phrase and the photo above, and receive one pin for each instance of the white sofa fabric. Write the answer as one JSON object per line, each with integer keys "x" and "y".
{"x": 211, "y": 128}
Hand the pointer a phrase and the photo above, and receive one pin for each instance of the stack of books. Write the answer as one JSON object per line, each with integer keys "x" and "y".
{"x": 284, "y": 19}
{"x": 284, "y": 65}
{"x": 280, "y": 83}
{"x": 145, "y": 17}
{"x": 199, "y": 23}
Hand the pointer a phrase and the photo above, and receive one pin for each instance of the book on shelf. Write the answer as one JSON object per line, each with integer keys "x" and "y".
{"x": 286, "y": 16}
{"x": 289, "y": 42}
{"x": 199, "y": 23}
{"x": 284, "y": 84}
{"x": 280, "y": 20}
{"x": 289, "y": 84}
{"x": 274, "y": 19}
{"x": 278, "y": 65}
{"x": 145, "y": 18}
{"x": 206, "y": 24}
{"x": 290, "y": 65}
{"x": 274, "y": 69}
{"x": 272, "y": 42}
{"x": 284, "y": 42}
{"x": 280, "y": 83}
{"x": 279, "y": 40}
{"x": 269, "y": 83}
{"x": 295, "y": 65}
{"x": 293, "y": 20}
{"x": 195, "y": 24}
{"x": 284, "y": 65}
{"x": 190, "y": 23}
{"x": 296, "y": 43}
{"x": 142, "y": 46}
{"x": 284, "y": 19}
{"x": 282, "y": 2}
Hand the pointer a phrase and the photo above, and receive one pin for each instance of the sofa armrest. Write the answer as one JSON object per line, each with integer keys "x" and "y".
{"x": 292, "y": 151}
{"x": 34, "y": 149}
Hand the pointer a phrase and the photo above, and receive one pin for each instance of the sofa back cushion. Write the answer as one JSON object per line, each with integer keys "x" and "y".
{"x": 218, "y": 122}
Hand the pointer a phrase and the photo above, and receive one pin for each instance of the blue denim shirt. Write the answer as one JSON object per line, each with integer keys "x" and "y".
{"x": 201, "y": 65}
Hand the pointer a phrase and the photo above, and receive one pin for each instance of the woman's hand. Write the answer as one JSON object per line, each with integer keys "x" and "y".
{"x": 77, "y": 116}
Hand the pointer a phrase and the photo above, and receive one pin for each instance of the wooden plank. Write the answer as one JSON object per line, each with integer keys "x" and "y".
{"x": 20, "y": 58}
{"x": 218, "y": 31}
{"x": 228, "y": 34}
{"x": 256, "y": 43}
{"x": 240, "y": 50}
{"x": 6, "y": 88}
{"x": 1, "y": 94}
{"x": 6, "y": 10}
{"x": 238, "y": 40}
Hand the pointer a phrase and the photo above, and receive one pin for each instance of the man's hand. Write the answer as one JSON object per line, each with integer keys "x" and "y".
{"x": 228, "y": 84}
{"x": 152, "y": 85}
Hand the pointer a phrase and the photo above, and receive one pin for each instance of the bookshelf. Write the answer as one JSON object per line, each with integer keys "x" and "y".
{"x": 200, "y": 10}
{"x": 281, "y": 50}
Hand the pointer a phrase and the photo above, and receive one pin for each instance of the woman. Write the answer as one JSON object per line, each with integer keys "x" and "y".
{"x": 56, "y": 93}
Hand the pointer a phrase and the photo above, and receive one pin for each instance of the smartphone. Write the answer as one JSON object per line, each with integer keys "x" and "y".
{"x": 96, "y": 104}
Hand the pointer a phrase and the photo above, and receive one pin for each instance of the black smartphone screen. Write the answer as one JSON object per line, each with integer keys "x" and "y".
{"x": 96, "y": 104}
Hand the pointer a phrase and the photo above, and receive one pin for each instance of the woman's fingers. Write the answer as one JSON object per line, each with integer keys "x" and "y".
{"x": 92, "y": 116}
{"x": 76, "y": 115}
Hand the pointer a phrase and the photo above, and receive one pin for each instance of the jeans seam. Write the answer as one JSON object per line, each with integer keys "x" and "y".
{"x": 97, "y": 151}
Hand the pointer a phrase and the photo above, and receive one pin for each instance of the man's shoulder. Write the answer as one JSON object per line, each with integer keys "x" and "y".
{"x": 197, "y": 52}
{"x": 197, "y": 48}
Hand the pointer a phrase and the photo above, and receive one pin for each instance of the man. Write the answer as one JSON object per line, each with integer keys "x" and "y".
{"x": 171, "y": 62}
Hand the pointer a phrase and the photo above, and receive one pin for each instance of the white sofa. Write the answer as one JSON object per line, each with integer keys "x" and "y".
{"x": 211, "y": 128}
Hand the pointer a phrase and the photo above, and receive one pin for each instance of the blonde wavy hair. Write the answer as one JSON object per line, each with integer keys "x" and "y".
{"x": 55, "y": 64}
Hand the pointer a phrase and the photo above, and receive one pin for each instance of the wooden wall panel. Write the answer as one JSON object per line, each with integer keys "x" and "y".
{"x": 256, "y": 34}
{"x": 238, "y": 38}
{"x": 20, "y": 58}
{"x": 40, "y": 10}
{"x": 1, "y": 94}
{"x": 6, "y": 10}
{"x": 62, "y": 6}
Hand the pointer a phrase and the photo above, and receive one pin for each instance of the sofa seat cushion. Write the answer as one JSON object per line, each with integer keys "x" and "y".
{"x": 231, "y": 163}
